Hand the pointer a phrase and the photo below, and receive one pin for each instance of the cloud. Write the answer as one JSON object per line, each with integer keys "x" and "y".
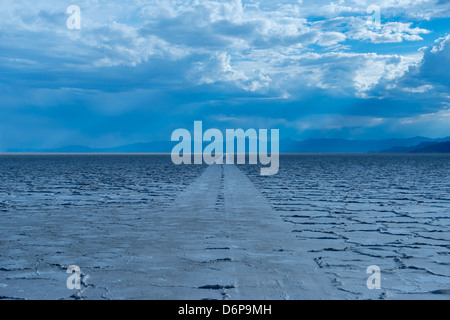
{"x": 218, "y": 69}
{"x": 420, "y": 89}
{"x": 426, "y": 79}
{"x": 169, "y": 61}
{"x": 435, "y": 58}
{"x": 389, "y": 32}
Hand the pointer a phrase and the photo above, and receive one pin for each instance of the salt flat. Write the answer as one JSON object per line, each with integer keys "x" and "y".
{"x": 142, "y": 228}
{"x": 219, "y": 240}
{"x": 354, "y": 211}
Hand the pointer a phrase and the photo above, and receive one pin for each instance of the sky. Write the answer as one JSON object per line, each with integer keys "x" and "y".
{"x": 137, "y": 70}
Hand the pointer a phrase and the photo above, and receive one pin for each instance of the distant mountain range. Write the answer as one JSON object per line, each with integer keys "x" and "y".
{"x": 151, "y": 147}
{"x": 410, "y": 145}
{"x": 357, "y": 146}
{"x": 424, "y": 147}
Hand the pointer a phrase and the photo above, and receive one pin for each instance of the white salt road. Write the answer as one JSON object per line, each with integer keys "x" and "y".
{"x": 219, "y": 240}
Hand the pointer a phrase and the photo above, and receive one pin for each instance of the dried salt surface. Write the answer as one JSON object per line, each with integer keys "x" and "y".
{"x": 361, "y": 210}
{"x": 219, "y": 239}
{"x": 140, "y": 235}
{"x": 88, "y": 210}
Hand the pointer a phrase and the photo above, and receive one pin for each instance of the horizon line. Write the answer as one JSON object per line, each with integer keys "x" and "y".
{"x": 193, "y": 154}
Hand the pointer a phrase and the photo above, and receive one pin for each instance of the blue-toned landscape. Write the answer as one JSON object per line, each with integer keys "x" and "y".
{"x": 119, "y": 124}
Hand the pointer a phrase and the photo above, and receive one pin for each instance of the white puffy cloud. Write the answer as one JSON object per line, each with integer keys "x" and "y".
{"x": 389, "y": 32}
{"x": 265, "y": 47}
{"x": 218, "y": 69}
{"x": 427, "y": 76}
